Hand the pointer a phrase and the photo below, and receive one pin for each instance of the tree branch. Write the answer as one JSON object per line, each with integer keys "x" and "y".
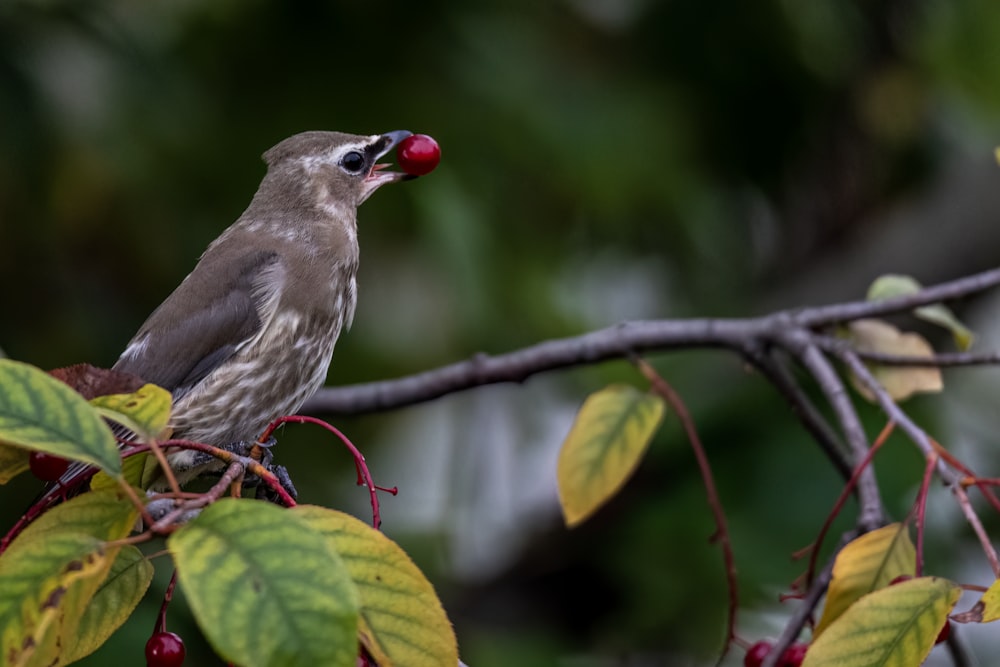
{"x": 618, "y": 342}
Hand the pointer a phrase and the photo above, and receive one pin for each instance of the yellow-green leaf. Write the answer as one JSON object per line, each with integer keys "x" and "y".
{"x": 892, "y": 285}
{"x": 132, "y": 468}
{"x": 49, "y": 574}
{"x": 402, "y": 620}
{"x": 901, "y": 382}
{"x": 267, "y": 588}
{"x": 986, "y": 610}
{"x": 895, "y": 626}
{"x": 865, "y": 564}
{"x": 112, "y": 604}
{"x": 145, "y": 411}
{"x": 39, "y": 412}
{"x": 13, "y": 461}
{"x": 612, "y": 431}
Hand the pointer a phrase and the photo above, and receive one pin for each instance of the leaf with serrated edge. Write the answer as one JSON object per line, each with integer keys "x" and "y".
{"x": 41, "y": 413}
{"x": 112, "y": 604}
{"x": 891, "y": 285}
{"x": 13, "y": 461}
{"x": 49, "y": 574}
{"x": 900, "y": 382}
{"x": 611, "y": 433}
{"x": 145, "y": 411}
{"x": 266, "y": 588}
{"x": 403, "y": 622}
{"x": 865, "y": 564}
{"x": 895, "y": 626}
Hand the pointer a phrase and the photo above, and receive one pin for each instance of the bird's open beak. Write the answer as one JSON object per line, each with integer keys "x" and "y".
{"x": 378, "y": 177}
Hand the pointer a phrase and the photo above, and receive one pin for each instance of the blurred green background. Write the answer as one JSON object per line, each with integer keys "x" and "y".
{"x": 602, "y": 160}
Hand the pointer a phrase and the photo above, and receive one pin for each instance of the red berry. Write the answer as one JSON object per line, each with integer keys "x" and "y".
{"x": 756, "y": 654}
{"x": 164, "y": 649}
{"x": 900, "y": 579}
{"x": 47, "y": 467}
{"x": 418, "y": 154}
{"x": 793, "y": 655}
{"x": 943, "y": 635}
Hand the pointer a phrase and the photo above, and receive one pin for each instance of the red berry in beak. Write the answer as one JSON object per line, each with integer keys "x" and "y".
{"x": 418, "y": 154}
{"x": 47, "y": 467}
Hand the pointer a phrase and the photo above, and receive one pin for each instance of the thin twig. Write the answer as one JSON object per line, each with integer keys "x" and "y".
{"x": 812, "y": 419}
{"x": 804, "y": 611}
{"x": 676, "y": 403}
{"x": 921, "y": 512}
{"x": 977, "y": 527}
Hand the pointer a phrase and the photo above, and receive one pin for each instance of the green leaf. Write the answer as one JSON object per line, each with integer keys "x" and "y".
{"x": 113, "y": 603}
{"x": 267, "y": 588}
{"x": 866, "y": 564}
{"x": 145, "y": 411}
{"x": 892, "y": 627}
{"x": 41, "y": 413}
{"x": 49, "y": 575}
{"x": 901, "y": 382}
{"x": 892, "y": 285}
{"x": 402, "y": 620}
{"x": 611, "y": 433}
{"x": 13, "y": 461}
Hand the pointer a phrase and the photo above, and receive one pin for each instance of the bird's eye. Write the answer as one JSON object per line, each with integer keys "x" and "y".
{"x": 353, "y": 162}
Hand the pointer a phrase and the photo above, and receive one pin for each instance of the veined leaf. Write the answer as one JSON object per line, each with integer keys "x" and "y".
{"x": 145, "y": 411}
{"x": 402, "y": 620}
{"x": 112, "y": 604}
{"x": 612, "y": 431}
{"x": 267, "y": 588}
{"x": 49, "y": 574}
{"x": 41, "y": 413}
{"x": 895, "y": 626}
{"x": 866, "y": 564}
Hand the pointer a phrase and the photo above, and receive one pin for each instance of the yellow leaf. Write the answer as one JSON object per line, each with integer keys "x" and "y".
{"x": 895, "y": 626}
{"x": 49, "y": 574}
{"x": 145, "y": 411}
{"x": 611, "y": 433}
{"x": 402, "y": 620}
{"x": 132, "y": 469}
{"x": 986, "y": 610}
{"x": 868, "y": 563}
{"x": 900, "y": 381}
{"x": 13, "y": 461}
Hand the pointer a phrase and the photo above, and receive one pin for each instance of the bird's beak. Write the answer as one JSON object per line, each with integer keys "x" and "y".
{"x": 377, "y": 177}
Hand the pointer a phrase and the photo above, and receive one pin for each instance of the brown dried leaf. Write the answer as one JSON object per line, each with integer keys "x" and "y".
{"x": 870, "y": 335}
{"x": 91, "y": 381}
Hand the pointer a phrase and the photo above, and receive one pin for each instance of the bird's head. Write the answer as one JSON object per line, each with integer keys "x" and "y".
{"x": 341, "y": 170}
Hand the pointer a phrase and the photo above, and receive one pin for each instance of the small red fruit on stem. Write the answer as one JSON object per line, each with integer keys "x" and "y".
{"x": 756, "y": 654}
{"x": 165, "y": 649}
{"x": 418, "y": 154}
{"x": 47, "y": 467}
{"x": 945, "y": 632}
{"x": 793, "y": 655}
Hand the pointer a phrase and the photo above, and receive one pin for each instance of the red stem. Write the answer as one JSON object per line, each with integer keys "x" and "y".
{"x": 921, "y": 511}
{"x": 364, "y": 476}
{"x": 842, "y": 499}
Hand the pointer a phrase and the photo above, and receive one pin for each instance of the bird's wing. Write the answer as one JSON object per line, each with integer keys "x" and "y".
{"x": 220, "y": 307}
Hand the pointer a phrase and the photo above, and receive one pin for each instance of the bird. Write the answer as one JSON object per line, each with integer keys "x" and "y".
{"x": 249, "y": 334}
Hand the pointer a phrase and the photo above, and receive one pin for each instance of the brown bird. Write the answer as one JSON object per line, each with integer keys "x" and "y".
{"x": 249, "y": 334}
